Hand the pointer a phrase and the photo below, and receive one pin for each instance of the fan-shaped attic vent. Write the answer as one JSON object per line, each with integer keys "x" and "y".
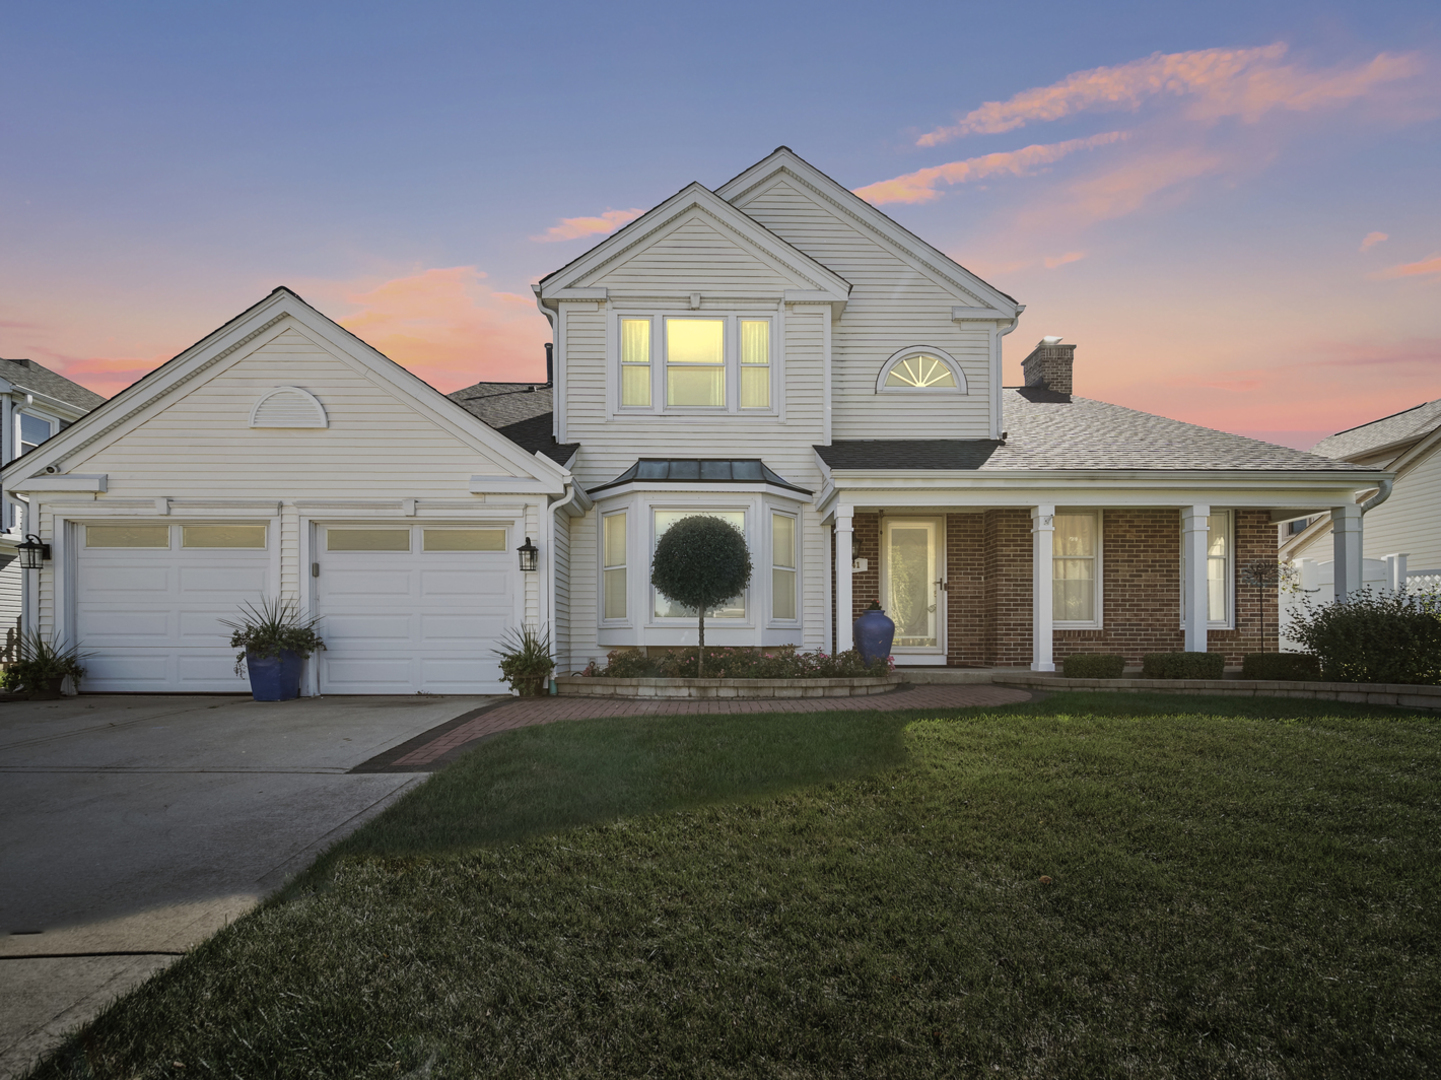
{"x": 288, "y": 407}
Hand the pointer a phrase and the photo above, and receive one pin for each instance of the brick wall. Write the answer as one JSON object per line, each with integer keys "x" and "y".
{"x": 1255, "y": 539}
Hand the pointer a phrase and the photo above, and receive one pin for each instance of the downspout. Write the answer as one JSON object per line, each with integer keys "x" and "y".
{"x": 1000, "y": 424}
{"x": 1382, "y": 494}
{"x": 574, "y": 496}
{"x": 550, "y": 364}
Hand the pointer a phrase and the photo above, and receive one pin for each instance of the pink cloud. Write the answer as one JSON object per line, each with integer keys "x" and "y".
{"x": 1124, "y": 189}
{"x": 1425, "y": 268}
{"x": 1372, "y": 239}
{"x": 1218, "y": 82}
{"x": 1051, "y": 262}
{"x": 573, "y": 228}
{"x": 920, "y": 186}
{"x": 450, "y": 328}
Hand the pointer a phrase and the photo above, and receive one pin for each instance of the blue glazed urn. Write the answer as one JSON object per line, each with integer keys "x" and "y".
{"x": 874, "y": 632}
{"x": 274, "y": 678}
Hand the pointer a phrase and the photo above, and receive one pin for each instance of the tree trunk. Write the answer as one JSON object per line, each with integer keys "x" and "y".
{"x": 700, "y": 654}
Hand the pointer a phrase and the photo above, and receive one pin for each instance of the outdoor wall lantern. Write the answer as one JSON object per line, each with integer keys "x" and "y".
{"x": 32, "y": 552}
{"x": 529, "y": 555}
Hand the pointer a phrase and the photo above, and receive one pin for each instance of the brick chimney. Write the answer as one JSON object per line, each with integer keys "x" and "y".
{"x": 1049, "y": 365}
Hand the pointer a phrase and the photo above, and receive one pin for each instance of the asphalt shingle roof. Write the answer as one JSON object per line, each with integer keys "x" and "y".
{"x": 28, "y": 375}
{"x": 500, "y": 404}
{"x": 1050, "y": 431}
{"x": 1399, "y": 427}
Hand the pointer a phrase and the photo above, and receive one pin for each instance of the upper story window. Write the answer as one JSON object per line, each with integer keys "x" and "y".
{"x": 712, "y": 363}
{"x": 921, "y": 369}
{"x": 31, "y": 431}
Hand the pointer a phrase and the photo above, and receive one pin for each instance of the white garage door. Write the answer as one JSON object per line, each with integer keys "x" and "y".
{"x": 414, "y": 608}
{"x": 150, "y": 599}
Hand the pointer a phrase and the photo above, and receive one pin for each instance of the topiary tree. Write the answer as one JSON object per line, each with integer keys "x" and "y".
{"x": 699, "y": 562}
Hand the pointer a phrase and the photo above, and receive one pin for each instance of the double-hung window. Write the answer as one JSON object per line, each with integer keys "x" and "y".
{"x": 1076, "y": 566}
{"x": 688, "y": 363}
{"x": 614, "y": 565}
{"x": 783, "y": 567}
{"x": 1219, "y": 575}
{"x": 31, "y": 431}
{"x": 665, "y": 608}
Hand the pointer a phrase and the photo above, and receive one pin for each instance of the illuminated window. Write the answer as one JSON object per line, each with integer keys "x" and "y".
{"x": 695, "y": 367}
{"x": 613, "y": 566}
{"x": 1218, "y": 570}
{"x": 735, "y": 607}
{"x": 680, "y": 363}
{"x": 635, "y": 363}
{"x": 783, "y": 566}
{"x": 921, "y": 370}
{"x": 755, "y": 364}
{"x": 1075, "y": 562}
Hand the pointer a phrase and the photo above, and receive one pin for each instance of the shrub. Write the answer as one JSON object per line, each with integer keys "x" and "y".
{"x": 1094, "y": 666}
{"x": 739, "y": 663}
{"x": 1374, "y": 638}
{"x": 41, "y": 661}
{"x": 270, "y": 629}
{"x": 699, "y": 562}
{"x": 1280, "y": 665}
{"x": 1182, "y": 665}
{"x": 525, "y": 659}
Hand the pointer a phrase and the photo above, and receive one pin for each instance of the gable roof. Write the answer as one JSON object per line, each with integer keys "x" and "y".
{"x": 38, "y": 379}
{"x": 281, "y": 303}
{"x": 1057, "y": 432}
{"x": 741, "y": 228}
{"x": 1391, "y": 430}
{"x": 934, "y": 263}
{"x": 502, "y": 403}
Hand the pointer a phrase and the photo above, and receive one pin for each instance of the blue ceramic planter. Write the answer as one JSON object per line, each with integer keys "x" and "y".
{"x": 274, "y": 678}
{"x": 874, "y": 632}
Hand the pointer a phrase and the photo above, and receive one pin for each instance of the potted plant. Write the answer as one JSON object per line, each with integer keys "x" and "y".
{"x": 42, "y": 666}
{"x": 274, "y": 642}
{"x": 525, "y": 660}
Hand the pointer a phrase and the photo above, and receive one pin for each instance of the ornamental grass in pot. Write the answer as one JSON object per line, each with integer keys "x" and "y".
{"x": 526, "y": 661}
{"x": 42, "y": 666}
{"x": 274, "y": 643}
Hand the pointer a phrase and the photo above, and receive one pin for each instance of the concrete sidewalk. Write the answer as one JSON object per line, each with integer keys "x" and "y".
{"x": 134, "y": 827}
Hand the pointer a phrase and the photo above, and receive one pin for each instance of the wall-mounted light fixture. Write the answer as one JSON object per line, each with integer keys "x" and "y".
{"x": 529, "y": 555}
{"x": 32, "y": 552}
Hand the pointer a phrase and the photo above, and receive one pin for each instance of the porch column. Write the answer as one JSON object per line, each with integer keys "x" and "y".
{"x": 1194, "y": 590}
{"x": 1396, "y": 574}
{"x": 845, "y": 521}
{"x": 1043, "y": 530}
{"x": 1346, "y": 549}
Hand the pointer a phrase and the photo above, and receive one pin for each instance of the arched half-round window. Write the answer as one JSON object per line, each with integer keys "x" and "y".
{"x": 922, "y": 369}
{"x": 288, "y": 407}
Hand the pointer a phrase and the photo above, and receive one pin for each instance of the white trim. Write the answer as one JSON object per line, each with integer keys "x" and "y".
{"x": 63, "y": 482}
{"x": 1043, "y": 549}
{"x": 730, "y": 318}
{"x": 960, "y": 389}
{"x": 1194, "y": 531}
{"x": 919, "y": 654}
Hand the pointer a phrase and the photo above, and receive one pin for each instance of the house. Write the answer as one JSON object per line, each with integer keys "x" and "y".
{"x": 1408, "y": 522}
{"x": 35, "y": 403}
{"x": 775, "y": 352}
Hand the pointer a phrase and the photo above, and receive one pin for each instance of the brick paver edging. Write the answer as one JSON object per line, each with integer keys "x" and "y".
{"x": 433, "y": 749}
{"x": 1400, "y": 695}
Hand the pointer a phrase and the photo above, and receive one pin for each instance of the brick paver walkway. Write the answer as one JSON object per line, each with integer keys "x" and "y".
{"x": 523, "y": 712}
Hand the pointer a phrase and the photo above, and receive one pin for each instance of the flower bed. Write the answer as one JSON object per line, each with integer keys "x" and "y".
{"x": 782, "y": 662}
{"x": 732, "y": 673}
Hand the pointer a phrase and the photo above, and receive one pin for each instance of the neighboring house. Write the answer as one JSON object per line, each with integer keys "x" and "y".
{"x": 1408, "y": 522}
{"x": 35, "y": 403}
{"x": 775, "y": 352}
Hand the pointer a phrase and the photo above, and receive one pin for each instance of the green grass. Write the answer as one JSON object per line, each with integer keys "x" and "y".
{"x": 1242, "y": 888}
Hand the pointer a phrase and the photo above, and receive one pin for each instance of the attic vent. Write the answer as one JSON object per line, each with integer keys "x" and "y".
{"x": 288, "y": 407}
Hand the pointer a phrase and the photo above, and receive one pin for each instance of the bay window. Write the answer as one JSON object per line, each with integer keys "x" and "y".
{"x": 665, "y": 608}
{"x": 1075, "y": 561}
{"x": 783, "y": 567}
{"x": 613, "y": 563}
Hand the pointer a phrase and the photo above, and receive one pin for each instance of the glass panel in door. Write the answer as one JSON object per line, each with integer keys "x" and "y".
{"x": 911, "y": 577}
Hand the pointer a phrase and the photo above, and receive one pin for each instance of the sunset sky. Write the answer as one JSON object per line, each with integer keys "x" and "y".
{"x": 1233, "y": 209}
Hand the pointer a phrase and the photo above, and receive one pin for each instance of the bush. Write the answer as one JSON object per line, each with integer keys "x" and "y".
{"x": 1094, "y": 666}
{"x": 41, "y": 661}
{"x": 722, "y": 663}
{"x": 1373, "y": 638}
{"x": 525, "y": 660}
{"x": 1280, "y": 665}
{"x": 274, "y": 627}
{"x": 1182, "y": 665}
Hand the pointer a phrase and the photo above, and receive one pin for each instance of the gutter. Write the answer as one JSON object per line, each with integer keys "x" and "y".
{"x": 1382, "y": 494}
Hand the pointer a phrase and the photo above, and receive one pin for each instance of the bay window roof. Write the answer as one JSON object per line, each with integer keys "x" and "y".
{"x": 701, "y": 470}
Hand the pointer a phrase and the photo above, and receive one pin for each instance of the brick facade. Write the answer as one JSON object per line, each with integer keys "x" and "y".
{"x": 988, "y": 573}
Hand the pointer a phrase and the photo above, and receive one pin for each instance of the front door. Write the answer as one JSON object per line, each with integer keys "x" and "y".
{"x": 913, "y": 588}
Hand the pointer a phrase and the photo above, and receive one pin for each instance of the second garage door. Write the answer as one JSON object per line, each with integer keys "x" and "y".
{"x": 414, "y": 608}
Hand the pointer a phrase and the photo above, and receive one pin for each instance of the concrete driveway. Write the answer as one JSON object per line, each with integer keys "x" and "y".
{"x": 133, "y": 827}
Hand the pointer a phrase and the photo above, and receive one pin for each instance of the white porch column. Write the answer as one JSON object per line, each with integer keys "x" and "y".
{"x": 845, "y": 521}
{"x": 1346, "y": 549}
{"x": 1196, "y": 601}
{"x": 1043, "y": 531}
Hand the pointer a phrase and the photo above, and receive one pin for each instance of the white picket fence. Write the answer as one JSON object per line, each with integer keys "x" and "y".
{"x": 1317, "y": 583}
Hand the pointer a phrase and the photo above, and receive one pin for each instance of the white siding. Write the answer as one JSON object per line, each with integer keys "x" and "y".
{"x": 693, "y": 255}
{"x": 9, "y": 597}
{"x": 892, "y": 306}
{"x": 560, "y": 561}
{"x": 1409, "y": 521}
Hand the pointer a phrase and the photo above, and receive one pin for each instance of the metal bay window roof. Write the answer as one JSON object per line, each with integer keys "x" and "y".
{"x": 700, "y": 471}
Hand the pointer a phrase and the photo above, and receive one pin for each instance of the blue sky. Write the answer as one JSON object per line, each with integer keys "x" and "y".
{"x": 1207, "y": 233}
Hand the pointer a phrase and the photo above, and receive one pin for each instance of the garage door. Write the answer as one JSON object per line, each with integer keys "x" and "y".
{"x": 414, "y": 608}
{"x": 150, "y": 599}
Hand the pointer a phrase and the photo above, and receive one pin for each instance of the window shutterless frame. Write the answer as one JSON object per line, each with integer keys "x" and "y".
{"x": 662, "y": 363}
{"x": 614, "y": 560}
{"x": 785, "y": 568}
{"x": 1068, "y": 563}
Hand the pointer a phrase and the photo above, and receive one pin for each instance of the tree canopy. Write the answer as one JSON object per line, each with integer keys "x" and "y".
{"x": 699, "y": 562}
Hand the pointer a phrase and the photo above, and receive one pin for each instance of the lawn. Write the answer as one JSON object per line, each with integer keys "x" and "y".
{"x": 1091, "y": 885}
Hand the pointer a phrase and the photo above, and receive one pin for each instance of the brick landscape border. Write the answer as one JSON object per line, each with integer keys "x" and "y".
{"x": 705, "y": 689}
{"x": 1402, "y": 695}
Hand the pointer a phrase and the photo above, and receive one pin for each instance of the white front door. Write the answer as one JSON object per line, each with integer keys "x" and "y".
{"x": 407, "y": 608}
{"x": 913, "y": 588}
